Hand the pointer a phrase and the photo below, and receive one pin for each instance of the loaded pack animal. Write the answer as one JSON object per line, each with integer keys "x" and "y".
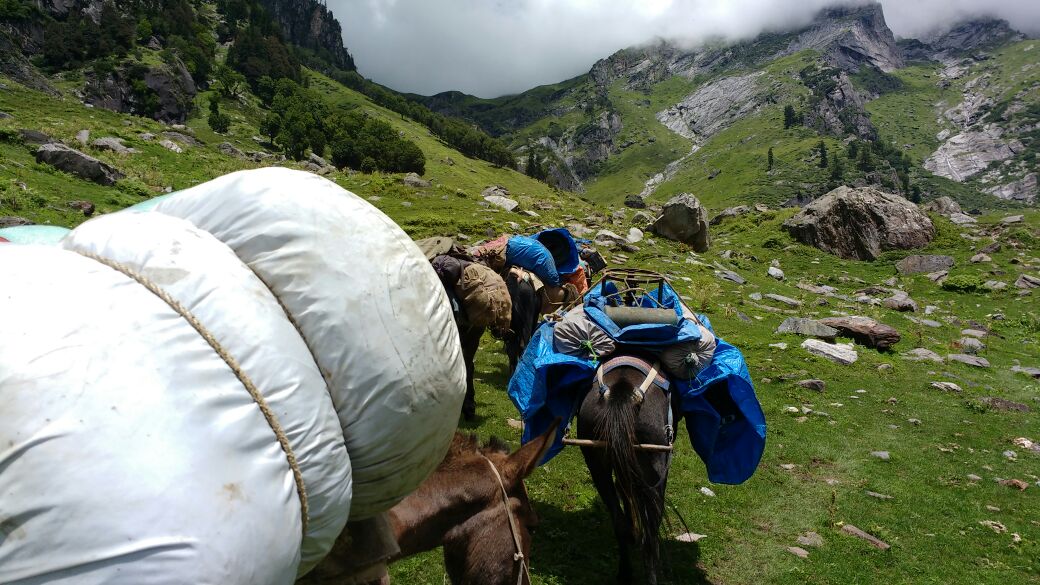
{"x": 475, "y": 505}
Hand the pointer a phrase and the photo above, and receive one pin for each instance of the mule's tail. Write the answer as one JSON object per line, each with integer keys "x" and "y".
{"x": 618, "y": 430}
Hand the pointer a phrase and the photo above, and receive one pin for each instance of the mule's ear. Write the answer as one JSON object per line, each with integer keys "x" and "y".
{"x": 525, "y": 459}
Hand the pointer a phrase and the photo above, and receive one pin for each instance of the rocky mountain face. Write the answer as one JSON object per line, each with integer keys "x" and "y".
{"x": 310, "y": 24}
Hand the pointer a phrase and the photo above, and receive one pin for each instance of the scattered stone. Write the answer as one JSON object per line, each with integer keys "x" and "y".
{"x": 798, "y": 552}
{"x": 921, "y": 354}
{"x": 807, "y": 328}
{"x": 817, "y": 385}
{"x": 901, "y": 302}
{"x": 170, "y": 145}
{"x": 634, "y": 235}
{"x": 947, "y": 387}
{"x": 784, "y": 300}
{"x": 810, "y": 539}
{"x": 111, "y": 143}
{"x": 994, "y": 526}
{"x": 707, "y": 491}
{"x": 77, "y": 163}
{"x": 414, "y": 180}
{"x": 852, "y": 530}
{"x": 980, "y": 257}
{"x": 962, "y": 219}
{"x": 728, "y": 213}
{"x": 937, "y": 276}
{"x": 685, "y": 220}
{"x": 775, "y": 273}
{"x": 34, "y": 137}
{"x": 1033, "y": 372}
{"x": 1026, "y": 281}
{"x": 971, "y": 345}
{"x": 1003, "y": 405}
{"x": 879, "y": 496}
{"x": 1015, "y": 483}
{"x": 788, "y": 466}
{"x": 991, "y": 248}
{"x": 914, "y": 421}
{"x": 973, "y": 477}
{"x": 84, "y": 207}
{"x": 7, "y": 221}
{"x": 882, "y": 455}
{"x": 970, "y": 360}
{"x": 184, "y": 138}
{"x": 502, "y": 202}
{"x": 514, "y": 424}
{"x": 943, "y": 206}
{"x": 917, "y": 264}
{"x": 530, "y": 213}
{"x": 861, "y": 223}
{"x": 780, "y": 346}
{"x": 690, "y": 537}
{"x": 994, "y": 285}
{"x": 230, "y": 150}
{"x": 83, "y": 137}
{"x": 884, "y": 367}
{"x": 1011, "y": 219}
{"x": 730, "y": 276}
{"x": 837, "y": 353}
{"x": 864, "y": 330}
{"x": 635, "y": 201}
{"x": 1010, "y": 455}
{"x": 5, "y": 116}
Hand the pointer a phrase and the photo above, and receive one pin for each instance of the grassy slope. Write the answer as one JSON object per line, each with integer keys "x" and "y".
{"x": 932, "y": 522}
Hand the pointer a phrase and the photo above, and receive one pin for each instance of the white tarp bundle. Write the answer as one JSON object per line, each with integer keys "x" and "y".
{"x": 132, "y": 448}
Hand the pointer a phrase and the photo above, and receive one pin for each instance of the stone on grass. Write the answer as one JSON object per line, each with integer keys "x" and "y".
{"x": 947, "y": 387}
{"x": 970, "y": 360}
{"x": 973, "y": 477}
{"x": 111, "y": 143}
{"x": 414, "y": 180}
{"x": 901, "y": 302}
{"x": 962, "y": 219}
{"x": 730, "y": 276}
{"x": 817, "y": 385}
{"x": 775, "y": 273}
{"x": 811, "y": 539}
{"x": 502, "y": 202}
{"x": 1011, "y": 219}
{"x": 994, "y": 285}
{"x": 707, "y": 491}
{"x": 229, "y": 149}
{"x": 82, "y": 206}
{"x": 807, "y": 328}
{"x": 685, "y": 220}
{"x": 634, "y": 235}
{"x": 798, "y": 552}
{"x": 171, "y": 146}
{"x": 1032, "y": 372}
{"x": 690, "y": 537}
{"x": 7, "y": 221}
{"x": 1027, "y": 281}
{"x": 873, "y": 540}
{"x": 971, "y": 345}
{"x": 784, "y": 300}
{"x": 837, "y": 353}
{"x": 864, "y": 331}
{"x": 635, "y": 201}
{"x": 83, "y": 137}
{"x": 77, "y": 163}
{"x": 921, "y": 354}
{"x": 879, "y": 496}
{"x": 937, "y": 276}
{"x": 980, "y": 257}
{"x": 882, "y": 455}
{"x": 917, "y": 264}
{"x": 861, "y": 223}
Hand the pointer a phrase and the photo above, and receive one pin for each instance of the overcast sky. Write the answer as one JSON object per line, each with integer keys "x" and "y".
{"x": 495, "y": 47}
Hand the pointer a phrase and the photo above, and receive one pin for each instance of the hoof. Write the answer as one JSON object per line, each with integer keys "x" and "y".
{"x": 469, "y": 411}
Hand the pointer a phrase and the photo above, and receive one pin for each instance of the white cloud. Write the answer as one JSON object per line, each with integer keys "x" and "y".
{"x": 495, "y": 47}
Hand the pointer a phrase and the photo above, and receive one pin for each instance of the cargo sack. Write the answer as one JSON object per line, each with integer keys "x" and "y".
{"x": 578, "y": 336}
{"x": 562, "y": 247}
{"x": 448, "y": 269}
{"x": 440, "y": 245}
{"x": 492, "y": 253}
{"x": 530, "y": 254}
{"x": 485, "y": 297}
{"x": 578, "y": 280}
{"x": 685, "y": 360}
{"x": 555, "y": 298}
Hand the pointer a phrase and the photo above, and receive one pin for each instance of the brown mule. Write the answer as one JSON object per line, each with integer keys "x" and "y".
{"x": 462, "y": 507}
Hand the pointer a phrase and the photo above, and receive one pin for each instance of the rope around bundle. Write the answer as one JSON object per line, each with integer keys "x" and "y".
{"x": 231, "y": 362}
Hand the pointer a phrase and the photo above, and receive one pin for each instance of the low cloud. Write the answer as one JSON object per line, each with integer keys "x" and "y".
{"x": 495, "y": 47}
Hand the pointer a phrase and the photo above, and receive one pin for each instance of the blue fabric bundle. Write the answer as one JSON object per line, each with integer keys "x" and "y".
{"x": 47, "y": 235}
{"x": 530, "y": 254}
{"x": 724, "y": 420}
{"x": 563, "y": 248}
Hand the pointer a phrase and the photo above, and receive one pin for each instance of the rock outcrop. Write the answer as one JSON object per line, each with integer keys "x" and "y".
{"x": 170, "y": 84}
{"x": 714, "y": 106}
{"x": 969, "y": 153}
{"x": 1023, "y": 190}
{"x": 920, "y": 264}
{"x": 76, "y": 163}
{"x": 850, "y": 37}
{"x": 685, "y": 220}
{"x": 865, "y": 331}
{"x": 861, "y": 223}
{"x": 310, "y": 24}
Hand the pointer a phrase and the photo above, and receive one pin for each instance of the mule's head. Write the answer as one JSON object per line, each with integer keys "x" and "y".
{"x": 483, "y": 547}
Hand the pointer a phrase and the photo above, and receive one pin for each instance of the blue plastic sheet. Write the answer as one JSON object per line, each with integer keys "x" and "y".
{"x": 530, "y": 254}
{"x": 724, "y": 420}
{"x": 562, "y": 246}
{"x": 650, "y": 336}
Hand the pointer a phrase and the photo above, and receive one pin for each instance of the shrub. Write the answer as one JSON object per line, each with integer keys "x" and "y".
{"x": 963, "y": 283}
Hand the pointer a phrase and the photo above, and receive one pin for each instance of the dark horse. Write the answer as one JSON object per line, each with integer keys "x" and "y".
{"x": 474, "y": 504}
{"x": 628, "y": 405}
{"x": 523, "y": 322}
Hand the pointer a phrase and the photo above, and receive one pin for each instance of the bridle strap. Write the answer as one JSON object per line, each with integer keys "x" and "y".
{"x": 643, "y": 388}
{"x": 518, "y": 556}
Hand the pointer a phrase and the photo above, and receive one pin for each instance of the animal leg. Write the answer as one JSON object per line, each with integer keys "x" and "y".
{"x": 470, "y": 343}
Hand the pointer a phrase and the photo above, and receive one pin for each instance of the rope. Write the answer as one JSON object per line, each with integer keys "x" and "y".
{"x": 518, "y": 556}
{"x": 232, "y": 363}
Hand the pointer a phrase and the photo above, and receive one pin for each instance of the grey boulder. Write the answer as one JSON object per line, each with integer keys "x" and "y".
{"x": 77, "y": 163}
{"x": 685, "y": 220}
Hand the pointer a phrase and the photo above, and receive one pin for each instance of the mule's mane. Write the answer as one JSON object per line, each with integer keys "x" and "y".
{"x": 468, "y": 445}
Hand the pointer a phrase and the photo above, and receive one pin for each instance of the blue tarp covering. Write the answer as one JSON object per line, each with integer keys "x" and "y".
{"x": 562, "y": 246}
{"x": 724, "y": 420}
{"x": 48, "y": 235}
{"x": 530, "y": 254}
